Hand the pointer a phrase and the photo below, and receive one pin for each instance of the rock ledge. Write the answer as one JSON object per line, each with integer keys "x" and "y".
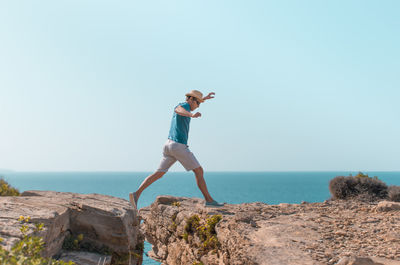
{"x": 333, "y": 232}
{"x": 104, "y": 221}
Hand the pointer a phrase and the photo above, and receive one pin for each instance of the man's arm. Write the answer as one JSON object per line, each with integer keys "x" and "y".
{"x": 181, "y": 111}
{"x": 209, "y": 96}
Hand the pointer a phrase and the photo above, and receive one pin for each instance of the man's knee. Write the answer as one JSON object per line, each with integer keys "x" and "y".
{"x": 198, "y": 170}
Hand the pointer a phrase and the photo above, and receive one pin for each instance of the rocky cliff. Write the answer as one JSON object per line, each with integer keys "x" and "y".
{"x": 106, "y": 226}
{"x": 183, "y": 231}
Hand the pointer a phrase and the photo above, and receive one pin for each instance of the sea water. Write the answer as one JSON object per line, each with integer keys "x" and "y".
{"x": 229, "y": 187}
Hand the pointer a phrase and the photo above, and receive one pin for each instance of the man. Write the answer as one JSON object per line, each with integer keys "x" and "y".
{"x": 176, "y": 148}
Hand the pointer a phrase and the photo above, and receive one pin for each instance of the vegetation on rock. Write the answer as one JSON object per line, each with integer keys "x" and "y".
{"x": 6, "y": 189}
{"x": 77, "y": 243}
{"x": 174, "y": 225}
{"x": 27, "y": 251}
{"x": 73, "y": 242}
{"x": 204, "y": 230}
{"x": 176, "y": 204}
{"x": 138, "y": 252}
{"x": 362, "y": 187}
{"x": 120, "y": 259}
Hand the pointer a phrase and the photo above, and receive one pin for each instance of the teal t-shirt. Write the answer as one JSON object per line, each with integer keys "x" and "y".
{"x": 179, "y": 131}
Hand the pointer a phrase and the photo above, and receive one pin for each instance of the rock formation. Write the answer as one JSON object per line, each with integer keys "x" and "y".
{"x": 106, "y": 224}
{"x": 183, "y": 231}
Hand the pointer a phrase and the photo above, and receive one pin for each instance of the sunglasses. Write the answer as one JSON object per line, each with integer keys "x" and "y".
{"x": 195, "y": 100}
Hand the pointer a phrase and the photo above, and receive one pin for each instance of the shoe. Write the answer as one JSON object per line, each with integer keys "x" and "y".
{"x": 133, "y": 199}
{"x": 213, "y": 204}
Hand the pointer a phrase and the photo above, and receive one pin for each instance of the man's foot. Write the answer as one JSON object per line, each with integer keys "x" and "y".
{"x": 133, "y": 199}
{"x": 213, "y": 204}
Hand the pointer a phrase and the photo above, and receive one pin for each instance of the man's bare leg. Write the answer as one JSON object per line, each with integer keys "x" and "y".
{"x": 148, "y": 181}
{"x": 201, "y": 183}
{"x": 134, "y": 197}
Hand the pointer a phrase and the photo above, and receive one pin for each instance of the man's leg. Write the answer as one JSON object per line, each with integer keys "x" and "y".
{"x": 147, "y": 182}
{"x": 166, "y": 162}
{"x": 201, "y": 183}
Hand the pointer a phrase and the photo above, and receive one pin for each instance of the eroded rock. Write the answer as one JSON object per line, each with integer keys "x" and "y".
{"x": 257, "y": 233}
{"x": 106, "y": 223}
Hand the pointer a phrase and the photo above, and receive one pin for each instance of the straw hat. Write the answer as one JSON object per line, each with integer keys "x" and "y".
{"x": 197, "y": 94}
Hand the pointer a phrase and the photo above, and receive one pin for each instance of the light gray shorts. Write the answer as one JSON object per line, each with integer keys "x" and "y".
{"x": 173, "y": 152}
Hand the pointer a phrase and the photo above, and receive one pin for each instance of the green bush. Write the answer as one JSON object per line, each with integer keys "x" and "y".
{"x": 360, "y": 187}
{"x": 394, "y": 193}
{"x": 192, "y": 223}
{"x": 6, "y": 189}
{"x": 204, "y": 230}
{"x": 27, "y": 251}
{"x": 207, "y": 233}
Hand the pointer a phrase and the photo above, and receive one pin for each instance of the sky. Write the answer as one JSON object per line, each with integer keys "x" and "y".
{"x": 300, "y": 85}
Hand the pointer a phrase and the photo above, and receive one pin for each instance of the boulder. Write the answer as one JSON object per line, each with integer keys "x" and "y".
{"x": 106, "y": 223}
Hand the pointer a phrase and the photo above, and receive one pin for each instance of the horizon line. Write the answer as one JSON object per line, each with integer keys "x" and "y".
{"x": 183, "y": 171}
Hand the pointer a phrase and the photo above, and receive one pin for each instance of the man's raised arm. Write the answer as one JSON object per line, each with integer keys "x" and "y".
{"x": 209, "y": 96}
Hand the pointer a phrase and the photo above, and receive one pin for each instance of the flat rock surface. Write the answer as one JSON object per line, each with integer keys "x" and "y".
{"x": 104, "y": 221}
{"x": 349, "y": 232}
{"x": 86, "y": 258}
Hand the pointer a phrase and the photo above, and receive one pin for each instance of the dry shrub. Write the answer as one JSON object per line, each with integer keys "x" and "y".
{"x": 359, "y": 187}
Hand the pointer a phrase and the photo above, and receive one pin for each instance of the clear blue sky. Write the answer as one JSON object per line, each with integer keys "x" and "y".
{"x": 300, "y": 85}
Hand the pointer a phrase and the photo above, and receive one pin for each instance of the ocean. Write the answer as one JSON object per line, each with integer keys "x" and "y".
{"x": 229, "y": 187}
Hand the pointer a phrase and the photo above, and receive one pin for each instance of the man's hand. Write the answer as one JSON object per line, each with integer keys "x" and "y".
{"x": 196, "y": 115}
{"x": 209, "y": 96}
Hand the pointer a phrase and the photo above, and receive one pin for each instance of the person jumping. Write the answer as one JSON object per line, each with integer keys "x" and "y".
{"x": 176, "y": 148}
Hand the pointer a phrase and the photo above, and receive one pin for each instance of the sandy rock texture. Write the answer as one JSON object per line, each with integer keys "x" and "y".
{"x": 105, "y": 222}
{"x": 332, "y": 232}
